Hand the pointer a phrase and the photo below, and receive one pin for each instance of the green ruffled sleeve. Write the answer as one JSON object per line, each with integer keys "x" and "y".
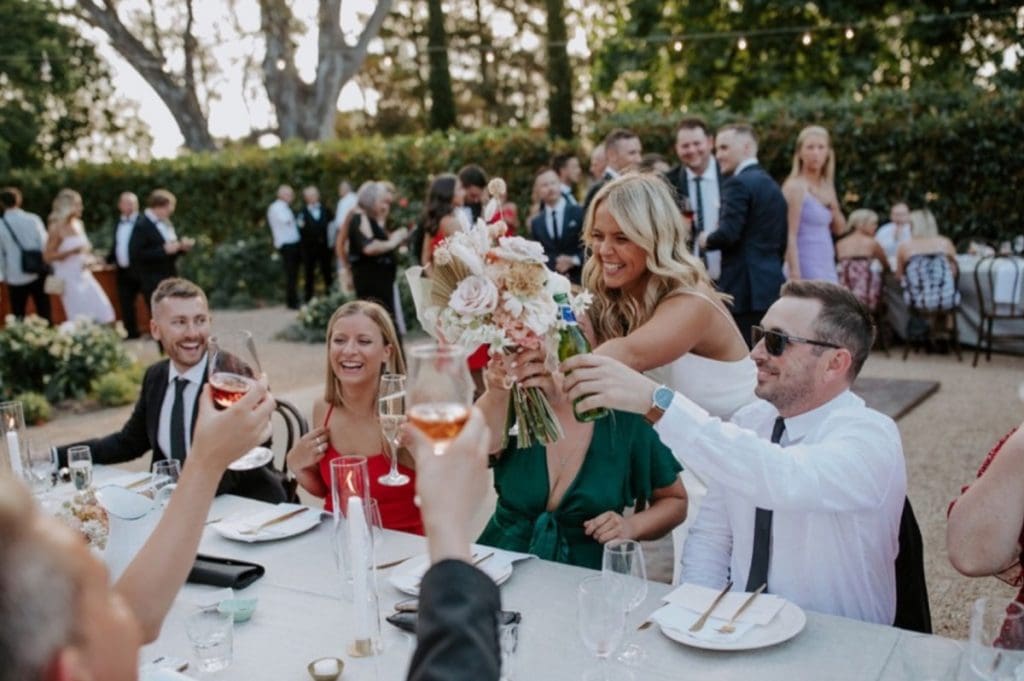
{"x": 653, "y": 465}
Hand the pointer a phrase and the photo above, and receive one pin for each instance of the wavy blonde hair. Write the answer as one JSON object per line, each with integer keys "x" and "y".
{"x": 828, "y": 172}
{"x": 648, "y": 216}
{"x": 379, "y": 316}
{"x": 66, "y": 205}
{"x": 861, "y": 218}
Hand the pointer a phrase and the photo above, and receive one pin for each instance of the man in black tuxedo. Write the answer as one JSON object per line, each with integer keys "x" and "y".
{"x": 154, "y": 246}
{"x": 751, "y": 230}
{"x": 557, "y": 227}
{"x": 128, "y": 285}
{"x": 474, "y": 182}
{"x": 696, "y": 180}
{"x": 622, "y": 151}
{"x": 569, "y": 173}
{"x": 163, "y": 420}
{"x": 314, "y": 220}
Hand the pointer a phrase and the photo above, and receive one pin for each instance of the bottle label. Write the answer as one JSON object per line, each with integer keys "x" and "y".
{"x": 567, "y": 315}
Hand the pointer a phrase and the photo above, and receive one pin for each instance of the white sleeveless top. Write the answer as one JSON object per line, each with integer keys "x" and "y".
{"x": 720, "y": 388}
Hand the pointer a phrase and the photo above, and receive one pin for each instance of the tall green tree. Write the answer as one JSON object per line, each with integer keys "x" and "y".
{"x": 559, "y": 72}
{"x": 442, "y": 101}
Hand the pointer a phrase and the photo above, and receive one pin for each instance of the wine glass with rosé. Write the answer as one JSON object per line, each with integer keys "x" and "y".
{"x": 439, "y": 393}
{"x": 233, "y": 368}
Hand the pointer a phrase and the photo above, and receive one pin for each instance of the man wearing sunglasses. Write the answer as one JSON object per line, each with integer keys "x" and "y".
{"x": 807, "y": 485}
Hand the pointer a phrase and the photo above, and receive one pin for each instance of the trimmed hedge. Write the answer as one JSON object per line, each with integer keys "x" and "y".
{"x": 956, "y": 151}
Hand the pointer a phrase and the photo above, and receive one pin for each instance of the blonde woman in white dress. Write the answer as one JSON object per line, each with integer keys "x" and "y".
{"x": 68, "y": 251}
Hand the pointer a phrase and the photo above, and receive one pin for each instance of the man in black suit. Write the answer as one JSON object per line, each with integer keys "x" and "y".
{"x": 154, "y": 247}
{"x": 314, "y": 220}
{"x": 622, "y": 151}
{"x": 474, "y": 182}
{"x": 569, "y": 173}
{"x": 163, "y": 420}
{"x": 557, "y": 227}
{"x": 697, "y": 180}
{"x": 751, "y": 230}
{"x": 128, "y": 285}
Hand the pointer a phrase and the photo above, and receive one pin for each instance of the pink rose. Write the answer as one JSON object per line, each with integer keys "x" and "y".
{"x": 475, "y": 296}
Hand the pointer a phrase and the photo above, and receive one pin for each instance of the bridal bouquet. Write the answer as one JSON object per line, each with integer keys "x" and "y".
{"x": 489, "y": 289}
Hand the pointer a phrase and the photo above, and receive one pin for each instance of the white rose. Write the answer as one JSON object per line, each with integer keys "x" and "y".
{"x": 475, "y": 297}
{"x": 462, "y": 247}
{"x": 557, "y": 283}
{"x": 540, "y": 314}
{"x": 518, "y": 249}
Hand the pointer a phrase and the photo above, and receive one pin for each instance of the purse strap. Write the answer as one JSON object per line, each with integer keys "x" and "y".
{"x": 13, "y": 236}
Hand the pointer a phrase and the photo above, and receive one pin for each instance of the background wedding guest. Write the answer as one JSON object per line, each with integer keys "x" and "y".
{"x": 285, "y": 233}
{"x": 371, "y": 250}
{"x": 313, "y": 219}
{"x": 924, "y": 239}
{"x": 622, "y": 151}
{"x": 21, "y": 230}
{"x": 346, "y": 202}
{"x": 653, "y": 163}
{"x": 164, "y": 418}
{"x": 813, "y": 212}
{"x": 855, "y": 254}
{"x": 896, "y": 231}
{"x": 598, "y": 163}
{"x": 474, "y": 182}
{"x": 558, "y": 227}
{"x": 361, "y": 345}
{"x": 569, "y": 173}
{"x": 751, "y": 230}
{"x": 440, "y": 217}
{"x": 128, "y": 285}
{"x": 155, "y": 247}
{"x": 806, "y": 487}
{"x": 68, "y": 251}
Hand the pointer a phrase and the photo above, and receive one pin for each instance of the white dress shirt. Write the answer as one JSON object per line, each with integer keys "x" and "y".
{"x": 890, "y": 236}
{"x": 567, "y": 192}
{"x": 549, "y": 212}
{"x": 123, "y": 237}
{"x": 345, "y": 205}
{"x": 836, "y": 485}
{"x": 195, "y": 378}
{"x": 282, "y": 224}
{"x": 710, "y": 202}
{"x": 165, "y": 228}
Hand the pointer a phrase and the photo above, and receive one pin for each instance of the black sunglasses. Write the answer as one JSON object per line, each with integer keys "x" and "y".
{"x": 775, "y": 341}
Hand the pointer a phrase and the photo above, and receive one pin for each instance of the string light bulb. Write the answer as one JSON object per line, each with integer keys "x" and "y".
{"x": 806, "y": 39}
{"x": 281, "y": 64}
{"x": 490, "y": 57}
{"x": 742, "y": 43}
{"x": 678, "y": 46}
{"x": 849, "y": 33}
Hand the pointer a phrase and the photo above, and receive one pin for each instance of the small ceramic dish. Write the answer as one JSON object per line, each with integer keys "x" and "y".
{"x": 326, "y": 668}
{"x": 239, "y": 608}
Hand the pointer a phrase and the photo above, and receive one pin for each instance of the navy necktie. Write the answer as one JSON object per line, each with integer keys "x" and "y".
{"x": 699, "y": 222}
{"x": 178, "y": 419}
{"x": 761, "y": 554}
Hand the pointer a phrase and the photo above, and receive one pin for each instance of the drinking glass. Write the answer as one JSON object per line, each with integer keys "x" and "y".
{"x": 42, "y": 471}
{"x": 508, "y": 640}
{"x": 211, "y": 634}
{"x": 391, "y": 406}
{"x": 686, "y": 208}
{"x": 602, "y": 620}
{"x": 80, "y": 465}
{"x": 440, "y": 392}
{"x": 929, "y": 658}
{"x": 165, "y": 479}
{"x": 623, "y": 564}
{"x": 233, "y": 368}
{"x": 373, "y": 520}
{"x": 997, "y": 638}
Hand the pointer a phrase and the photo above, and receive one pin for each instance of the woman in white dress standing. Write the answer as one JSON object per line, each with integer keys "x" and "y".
{"x": 67, "y": 250}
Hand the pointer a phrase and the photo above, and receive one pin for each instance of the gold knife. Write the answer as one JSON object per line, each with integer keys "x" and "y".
{"x": 274, "y": 521}
{"x": 699, "y": 624}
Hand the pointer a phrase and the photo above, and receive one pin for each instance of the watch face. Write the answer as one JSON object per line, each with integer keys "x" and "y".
{"x": 663, "y": 397}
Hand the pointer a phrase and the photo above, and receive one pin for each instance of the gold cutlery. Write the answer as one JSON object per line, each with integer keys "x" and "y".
{"x": 140, "y": 483}
{"x": 699, "y": 624}
{"x": 477, "y": 561}
{"x": 730, "y": 626}
{"x": 274, "y": 521}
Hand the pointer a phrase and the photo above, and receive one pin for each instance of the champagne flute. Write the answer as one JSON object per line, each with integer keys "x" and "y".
{"x": 391, "y": 406}
{"x": 997, "y": 638}
{"x": 602, "y": 621}
{"x": 80, "y": 465}
{"x": 440, "y": 392}
{"x": 623, "y": 563}
{"x": 165, "y": 479}
{"x": 233, "y": 368}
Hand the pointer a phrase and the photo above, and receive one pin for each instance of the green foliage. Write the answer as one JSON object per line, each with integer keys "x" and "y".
{"x": 442, "y": 101}
{"x": 59, "y": 362}
{"x": 117, "y": 388}
{"x": 37, "y": 410}
{"x": 311, "y": 321}
{"x": 236, "y": 274}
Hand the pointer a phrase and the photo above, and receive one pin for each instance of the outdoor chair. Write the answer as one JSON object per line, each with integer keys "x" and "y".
{"x": 999, "y": 280}
{"x": 857, "y": 275}
{"x": 295, "y": 426}
{"x": 932, "y": 298}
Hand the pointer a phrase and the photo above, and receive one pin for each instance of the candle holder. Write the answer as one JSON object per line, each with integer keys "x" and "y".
{"x": 12, "y": 422}
{"x": 350, "y": 495}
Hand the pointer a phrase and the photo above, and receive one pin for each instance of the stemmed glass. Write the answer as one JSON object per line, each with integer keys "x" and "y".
{"x": 602, "y": 621}
{"x": 623, "y": 564}
{"x": 686, "y": 208}
{"x": 233, "y": 368}
{"x": 997, "y": 638}
{"x": 165, "y": 479}
{"x": 440, "y": 392}
{"x": 391, "y": 406}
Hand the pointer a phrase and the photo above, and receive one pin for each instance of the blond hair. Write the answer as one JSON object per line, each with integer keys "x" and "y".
{"x": 66, "y": 205}
{"x": 861, "y": 218}
{"x": 648, "y": 216}
{"x": 379, "y": 316}
{"x": 922, "y": 224}
{"x": 828, "y": 171}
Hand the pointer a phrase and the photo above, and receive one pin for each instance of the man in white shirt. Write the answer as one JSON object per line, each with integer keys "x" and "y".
{"x": 896, "y": 231}
{"x": 20, "y": 230}
{"x": 128, "y": 285}
{"x": 286, "y": 240}
{"x": 816, "y": 516}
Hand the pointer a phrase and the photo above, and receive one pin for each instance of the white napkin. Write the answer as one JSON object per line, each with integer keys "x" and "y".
{"x": 241, "y": 526}
{"x": 407, "y": 576}
{"x": 697, "y": 599}
{"x": 681, "y": 619}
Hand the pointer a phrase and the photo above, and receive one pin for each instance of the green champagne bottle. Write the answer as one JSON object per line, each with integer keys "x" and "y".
{"x": 571, "y": 341}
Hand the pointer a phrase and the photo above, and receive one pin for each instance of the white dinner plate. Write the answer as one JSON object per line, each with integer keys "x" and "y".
{"x": 406, "y": 577}
{"x": 785, "y": 625}
{"x": 298, "y": 524}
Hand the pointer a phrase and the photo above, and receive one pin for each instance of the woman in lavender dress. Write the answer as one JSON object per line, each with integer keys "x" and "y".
{"x": 814, "y": 214}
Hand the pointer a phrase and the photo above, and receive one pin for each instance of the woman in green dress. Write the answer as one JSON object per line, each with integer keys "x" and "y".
{"x": 563, "y": 502}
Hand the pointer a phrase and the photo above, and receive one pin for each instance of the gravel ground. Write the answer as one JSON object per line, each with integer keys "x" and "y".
{"x": 944, "y": 439}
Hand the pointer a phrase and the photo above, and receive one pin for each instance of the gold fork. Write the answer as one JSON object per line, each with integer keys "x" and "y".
{"x": 275, "y": 521}
{"x": 730, "y": 626}
{"x": 699, "y": 624}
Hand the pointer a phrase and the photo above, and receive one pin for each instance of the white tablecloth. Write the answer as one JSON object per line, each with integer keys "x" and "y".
{"x": 300, "y": 618}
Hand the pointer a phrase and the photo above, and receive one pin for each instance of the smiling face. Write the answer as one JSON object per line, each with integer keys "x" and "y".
{"x": 182, "y": 326}
{"x": 730, "y": 150}
{"x": 623, "y": 263}
{"x": 693, "y": 149}
{"x": 357, "y": 350}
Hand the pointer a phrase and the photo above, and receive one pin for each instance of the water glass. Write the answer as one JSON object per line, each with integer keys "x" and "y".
{"x": 623, "y": 563}
{"x": 929, "y": 658}
{"x": 508, "y": 640}
{"x": 211, "y": 635}
{"x": 602, "y": 619}
{"x": 165, "y": 479}
{"x": 997, "y": 639}
{"x": 42, "y": 460}
{"x": 80, "y": 465}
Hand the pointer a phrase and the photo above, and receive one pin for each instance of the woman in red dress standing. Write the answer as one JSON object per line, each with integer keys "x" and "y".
{"x": 361, "y": 345}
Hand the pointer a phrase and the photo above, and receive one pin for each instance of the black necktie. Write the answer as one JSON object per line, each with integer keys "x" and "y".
{"x": 555, "y": 234}
{"x": 763, "y": 531}
{"x": 699, "y": 222}
{"x": 178, "y": 419}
